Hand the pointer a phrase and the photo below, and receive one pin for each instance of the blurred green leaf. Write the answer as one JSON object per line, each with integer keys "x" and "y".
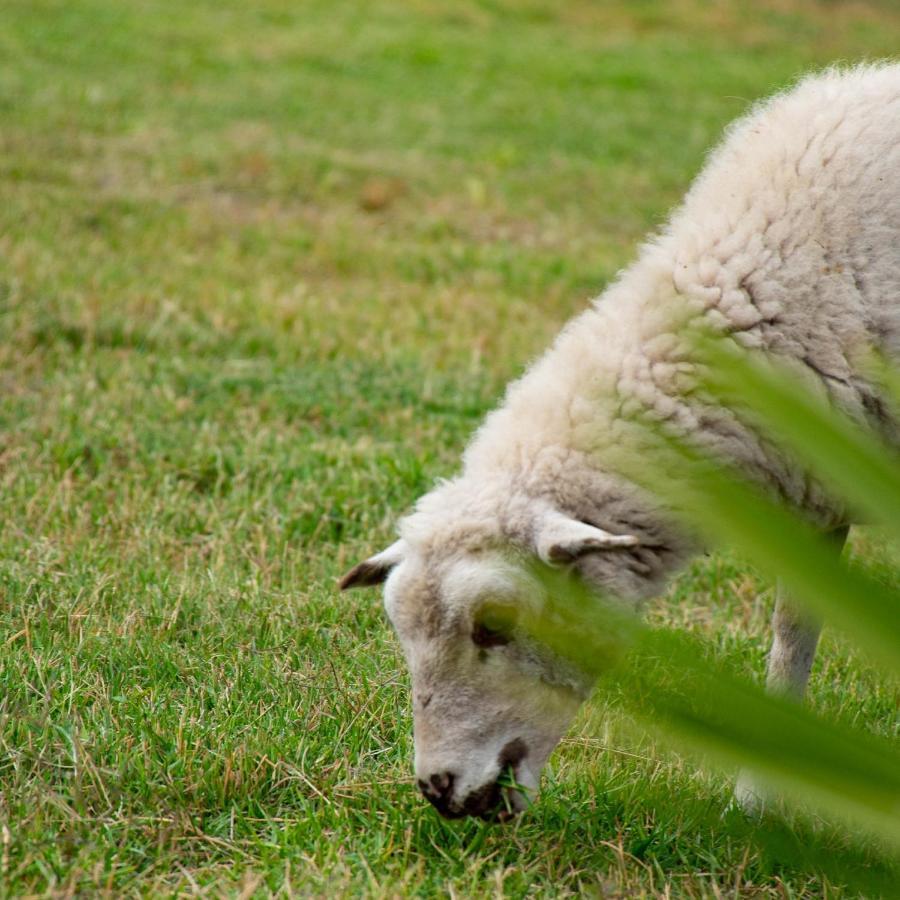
{"x": 726, "y": 508}
{"x": 699, "y": 701}
{"x": 671, "y": 681}
{"x": 848, "y": 458}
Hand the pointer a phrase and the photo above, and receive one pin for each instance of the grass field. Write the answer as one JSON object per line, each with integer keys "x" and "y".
{"x": 263, "y": 267}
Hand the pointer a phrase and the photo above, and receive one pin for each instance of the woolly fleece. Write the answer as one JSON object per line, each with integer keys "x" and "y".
{"x": 789, "y": 240}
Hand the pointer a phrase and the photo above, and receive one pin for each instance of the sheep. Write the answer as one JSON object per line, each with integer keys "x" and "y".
{"x": 789, "y": 242}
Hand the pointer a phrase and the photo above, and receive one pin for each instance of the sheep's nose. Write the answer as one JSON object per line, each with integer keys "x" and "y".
{"x": 438, "y": 790}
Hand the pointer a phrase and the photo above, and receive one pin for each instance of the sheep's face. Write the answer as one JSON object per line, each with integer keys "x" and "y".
{"x": 490, "y": 699}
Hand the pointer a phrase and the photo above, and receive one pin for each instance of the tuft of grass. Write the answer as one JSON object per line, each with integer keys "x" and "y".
{"x": 263, "y": 267}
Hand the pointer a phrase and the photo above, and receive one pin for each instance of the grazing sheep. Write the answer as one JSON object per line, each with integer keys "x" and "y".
{"x": 789, "y": 240}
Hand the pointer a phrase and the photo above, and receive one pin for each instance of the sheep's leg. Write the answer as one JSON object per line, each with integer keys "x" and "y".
{"x": 795, "y": 636}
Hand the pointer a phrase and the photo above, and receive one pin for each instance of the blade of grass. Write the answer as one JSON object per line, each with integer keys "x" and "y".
{"x": 851, "y": 774}
{"x": 725, "y": 508}
{"x": 859, "y": 466}
{"x": 668, "y": 680}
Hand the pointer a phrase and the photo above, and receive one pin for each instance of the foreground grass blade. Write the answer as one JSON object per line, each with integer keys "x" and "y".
{"x": 866, "y": 866}
{"x": 669, "y": 681}
{"x": 700, "y": 703}
{"x": 726, "y": 509}
{"x": 846, "y": 457}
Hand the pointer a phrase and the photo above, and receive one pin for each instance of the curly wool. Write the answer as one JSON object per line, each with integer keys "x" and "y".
{"x": 789, "y": 240}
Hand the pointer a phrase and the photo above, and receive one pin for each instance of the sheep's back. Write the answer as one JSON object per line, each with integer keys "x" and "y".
{"x": 792, "y": 232}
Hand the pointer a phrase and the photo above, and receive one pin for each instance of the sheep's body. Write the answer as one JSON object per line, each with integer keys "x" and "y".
{"x": 790, "y": 240}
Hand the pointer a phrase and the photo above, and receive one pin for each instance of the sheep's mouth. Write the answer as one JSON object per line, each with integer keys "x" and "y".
{"x": 513, "y": 795}
{"x": 498, "y": 801}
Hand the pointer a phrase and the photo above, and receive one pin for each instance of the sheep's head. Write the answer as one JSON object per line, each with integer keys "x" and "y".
{"x": 491, "y": 697}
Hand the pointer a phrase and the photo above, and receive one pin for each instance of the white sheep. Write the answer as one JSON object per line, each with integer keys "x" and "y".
{"x": 789, "y": 240}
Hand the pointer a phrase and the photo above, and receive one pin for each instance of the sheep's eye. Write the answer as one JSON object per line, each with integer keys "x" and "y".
{"x": 492, "y": 629}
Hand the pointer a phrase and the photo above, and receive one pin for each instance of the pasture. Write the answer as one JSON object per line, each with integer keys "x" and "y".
{"x": 263, "y": 268}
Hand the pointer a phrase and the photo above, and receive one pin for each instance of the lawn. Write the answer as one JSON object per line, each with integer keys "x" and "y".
{"x": 263, "y": 267}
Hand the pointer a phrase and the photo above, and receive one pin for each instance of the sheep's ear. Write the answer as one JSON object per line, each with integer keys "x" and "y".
{"x": 375, "y": 569}
{"x": 562, "y": 539}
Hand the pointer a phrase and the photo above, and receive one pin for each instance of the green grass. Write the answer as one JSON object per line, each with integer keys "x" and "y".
{"x": 263, "y": 267}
